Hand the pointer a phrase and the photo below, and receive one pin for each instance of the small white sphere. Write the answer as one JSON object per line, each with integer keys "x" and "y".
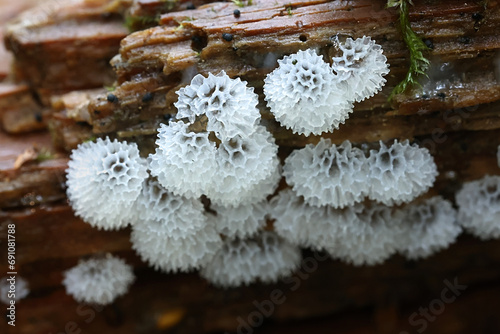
{"x": 104, "y": 179}
{"x": 326, "y": 174}
{"x": 184, "y": 162}
{"x": 361, "y": 68}
{"x": 303, "y": 95}
{"x": 400, "y": 172}
{"x": 98, "y": 280}
{"x": 229, "y": 105}
{"x": 429, "y": 227}
{"x": 156, "y": 245}
{"x": 242, "y": 221}
{"x": 479, "y": 207}
{"x": 266, "y": 257}
{"x": 244, "y": 163}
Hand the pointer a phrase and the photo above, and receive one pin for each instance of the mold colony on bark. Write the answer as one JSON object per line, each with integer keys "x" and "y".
{"x": 217, "y": 148}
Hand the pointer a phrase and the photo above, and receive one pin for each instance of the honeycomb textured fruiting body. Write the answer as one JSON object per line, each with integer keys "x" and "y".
{"x": 242, "y": 163}
{"x": 184, "y": 161}
{"x": 326, "y": 174}
{"x": 217, "y": 149}
{"x": 429, "y": 227}
{"x": 163, "y": 212}
{"x": 400, "y": 172}
{"x": 303, "y": 95}
{"x": 306, "y": 225}
{"x": 157, "y": 246}
{"x": 242, "y": 221}
{"x": 360, "y": 68}
{"x": 479, "y": 207}
{"x": 109, "y": 173}
{"x": 98, "y": 280}
{"x": 266, "y": 258}
{"x": 370, "y": 238}
{"x": 229, "y": 105}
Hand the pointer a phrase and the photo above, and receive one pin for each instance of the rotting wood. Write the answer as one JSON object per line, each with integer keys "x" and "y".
{"x": 463, "y": 138}
{"x": 62, "y": 46}
{"x": 171, "y": 52}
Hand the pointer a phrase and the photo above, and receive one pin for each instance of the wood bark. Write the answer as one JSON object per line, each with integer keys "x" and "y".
{"x": 455, "y": 115}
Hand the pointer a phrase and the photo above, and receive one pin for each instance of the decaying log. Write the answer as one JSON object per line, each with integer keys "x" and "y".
{"x": 320, "y": 288}
{"x": 455, "y": 116}
{"x": 9, "y": 10}
{"x": 162, "y": 59}
{"x": 19, "y": 112}
{"x": 37, "y": 181}
{"x": 5, "y": 59}
{"x": 153, "y": 8}
{"x": 66, "y": 45}
{"x": 79, "y": 239}
{"x": 75, "y": 104}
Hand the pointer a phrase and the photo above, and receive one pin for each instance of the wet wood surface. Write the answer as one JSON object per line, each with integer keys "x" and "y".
{"x": 62, "y": 46}
{"x": 461, "y": 128}
{"x": 161, "y": 59}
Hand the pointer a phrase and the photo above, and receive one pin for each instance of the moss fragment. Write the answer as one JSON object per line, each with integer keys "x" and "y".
{"x": 418, "y": 63}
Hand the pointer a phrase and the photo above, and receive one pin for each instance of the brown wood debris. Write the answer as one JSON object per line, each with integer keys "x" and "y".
{"x": 154, "y": 8}
{"x": 31, "y": 184}
{"x": 163, "y": 58}
{"x": 19, "y": 112}
{"x": 30, "y": 154}
{"x": 331, "y": 288}
{"x": 65, "y": 45}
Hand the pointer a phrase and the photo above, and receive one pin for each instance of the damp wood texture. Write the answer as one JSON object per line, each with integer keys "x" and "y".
{"x": 79, "y": 70}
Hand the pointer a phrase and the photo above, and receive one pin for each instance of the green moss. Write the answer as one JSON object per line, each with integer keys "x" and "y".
{"x": 134, "y": 23}
{"x": 44, "y": 155}
{"x": 91, "y": 139}
{"x": 168, "y": 5}
{"x": 418, "y": 63}
{"x": 242, "y": 3}
{"x": 111, "y": 88}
